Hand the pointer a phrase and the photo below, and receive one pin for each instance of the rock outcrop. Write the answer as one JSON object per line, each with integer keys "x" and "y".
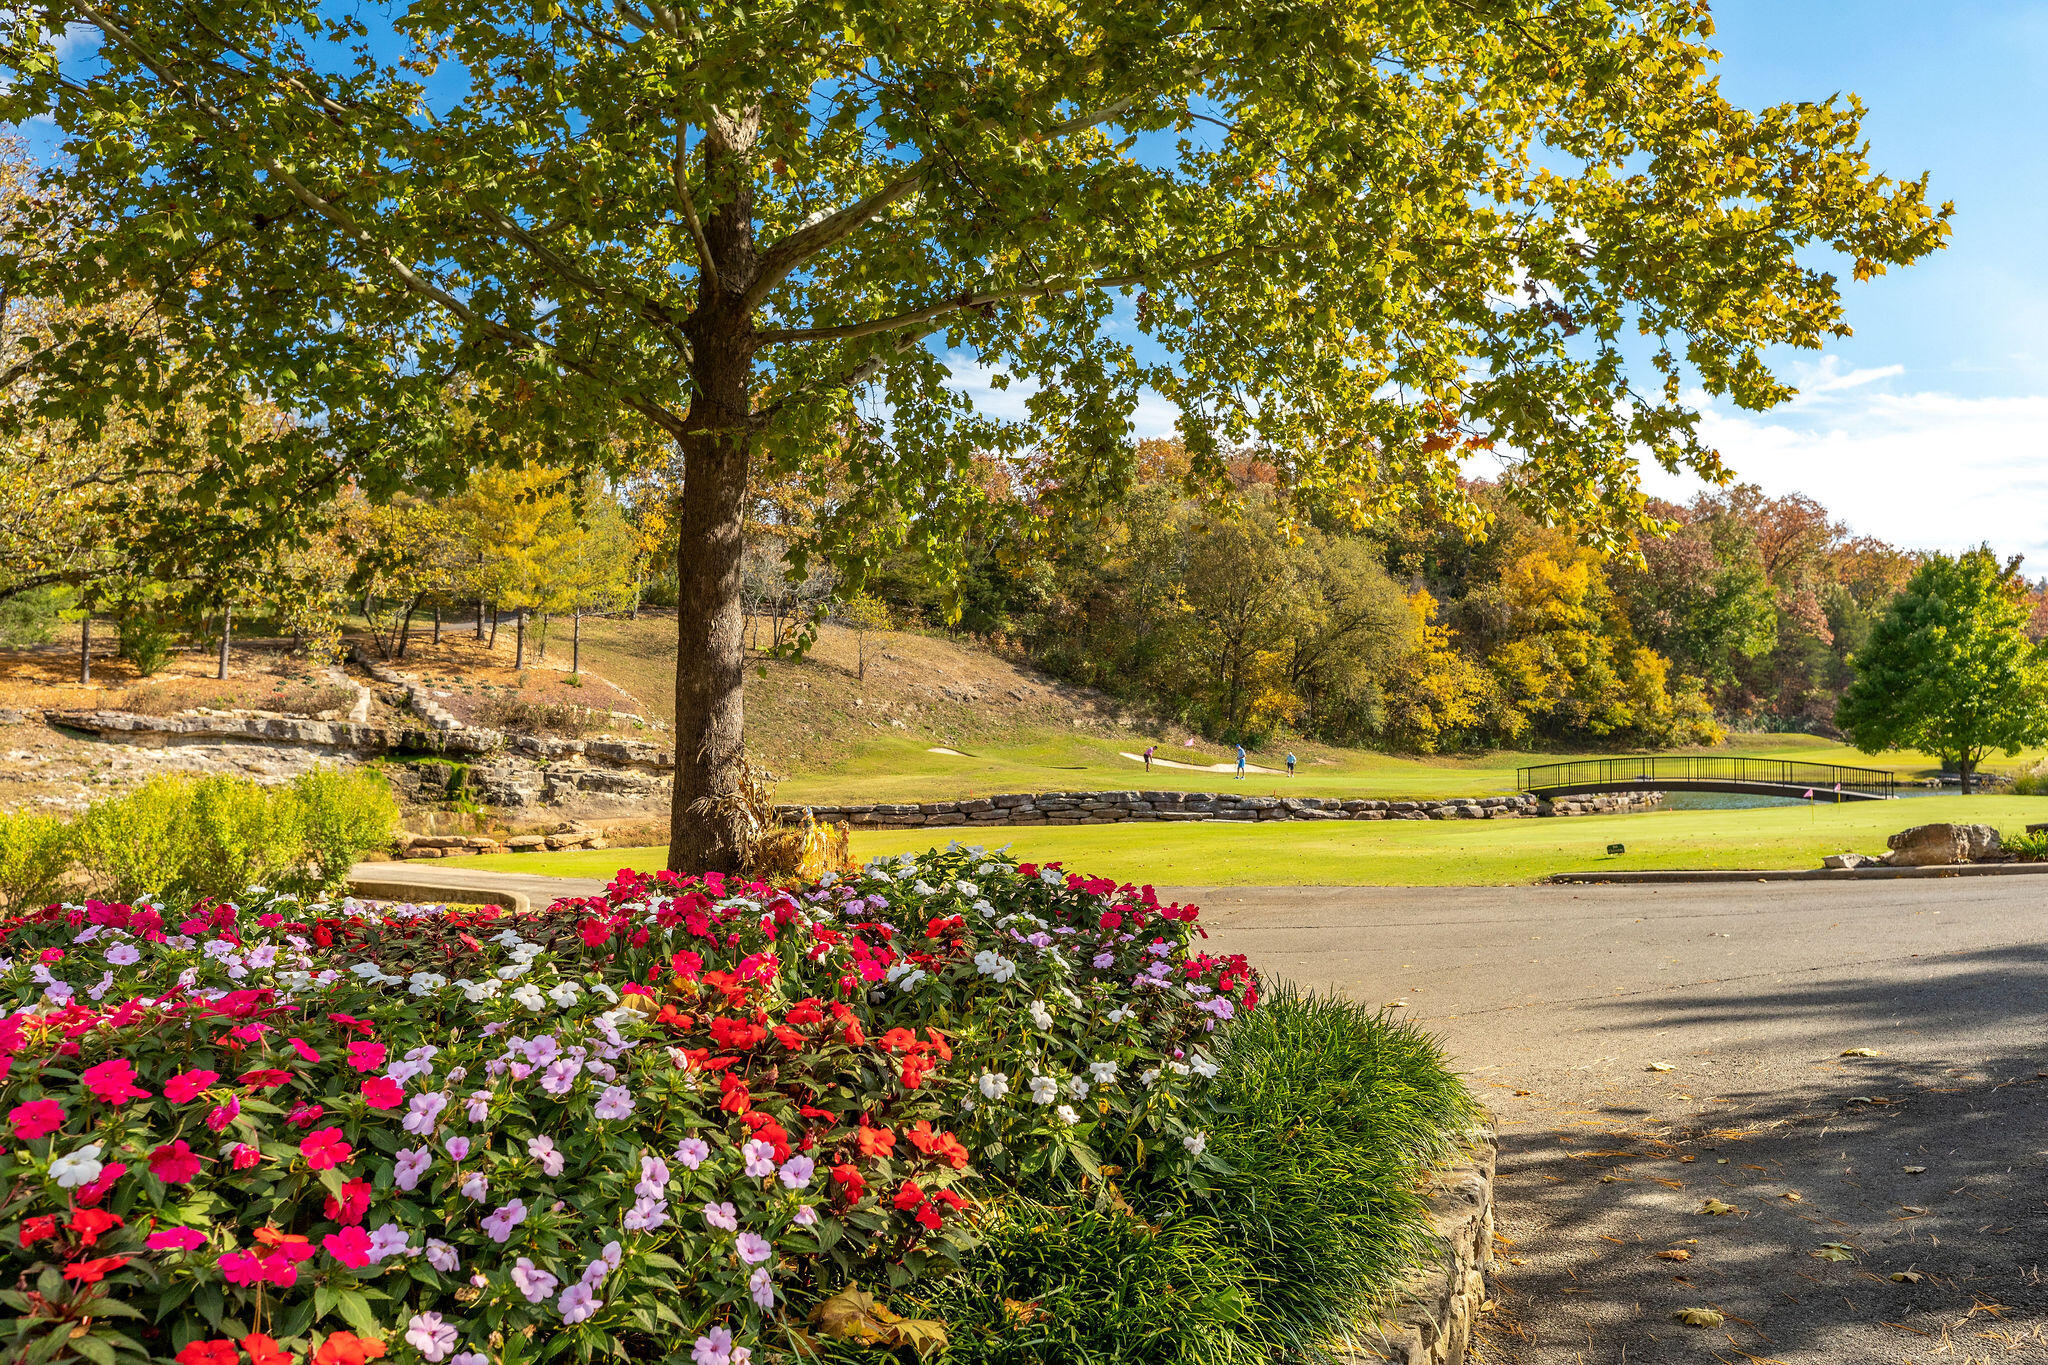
{"x": 1942, "y": 845}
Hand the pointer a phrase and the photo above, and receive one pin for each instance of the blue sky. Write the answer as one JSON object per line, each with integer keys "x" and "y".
{"x": 1929, "y": 427}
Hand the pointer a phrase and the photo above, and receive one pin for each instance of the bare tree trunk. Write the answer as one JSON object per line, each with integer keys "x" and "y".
{"x": 543, "y": 637}
{"x": 519, "y": 643}
{"x": 494, "y": 625}
{"x": 405, "y": 626}
{"x": 479, "y": 618}
{"x": 707, "y": 825}
{"x": 85, "y": 649}
{"x": 227, "y": 631}
{"x": 437, "y": 626}
{"x": 576, "y": 646}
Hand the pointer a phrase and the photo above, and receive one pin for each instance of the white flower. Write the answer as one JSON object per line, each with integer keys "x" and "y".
{"x": 1178, "y": 1068}
{"x": 421, "y": 983}
{"x": 1051, "y": 877}
{"x": 1103, "y": 1072}
{"x": 1066, "y": 1115}
{"x": 994, "y": 1085}
{"x": 1149, "y": 1078}
{"x": 1119, "y": 1014}
{"x": 564, "y": 994}
{"x": 924, "y": 888}
{"x": 993, "y": 964}
{"x": 967, "y": 889}
{"x": 1077, "y": 1087}
{"x": 513, "y": 972}
{"x": 1195, "y": 1143}
{"x": 1203, "y": 1067}
{"x": 1040, "y": 1015}
{"x": 81, "y": 1167}
{"x": 910, "y": 983}
{"x": 529, "y": 995}
{"x": 1044, "y": 1089}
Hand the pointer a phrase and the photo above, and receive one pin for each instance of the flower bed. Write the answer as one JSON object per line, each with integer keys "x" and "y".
{"x": 674, "y": 1119}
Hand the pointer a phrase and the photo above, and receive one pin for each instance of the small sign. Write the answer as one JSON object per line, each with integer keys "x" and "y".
{"x": 1617, "y": 848}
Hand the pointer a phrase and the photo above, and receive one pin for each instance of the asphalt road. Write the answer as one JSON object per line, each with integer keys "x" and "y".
{"x": 1565, "y": 1004}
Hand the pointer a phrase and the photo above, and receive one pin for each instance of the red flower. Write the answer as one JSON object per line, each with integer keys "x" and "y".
{"x": 789, "y": 1038}
{"x": 381, "y": 1092}
{"x": 950, "y": 1199}
{"x": 37, "y": 1118}
{"x": 264, "y": 1077}
{"x": 736, "y": 1033}
{"x": 805, "y": 1013}
{"x": 928, "y": 1215}
{"x": 898, "y": 1040}
{"x": 186, "y": 1085}
{"x": 346, "y": 1348}
{"x": 876, "y": 1142}
{"x": 173, "y": 1163}
{"x": 350, "y": 1246}
{"x": 915, "y": 1070}
{"x": 944, "y": 1146}
{"x": 851, "y": 1032}
{"x": 352, "y": 1204}
{"x": 856, "y": 1186}
{"x": 88, "y": 1195}
{"x": 113, "y": 1082}
{"x": 324, "y": 1149}
{"x": 1111, "y": 920}
{"x": 910, "y": 1196}
{"x": 366, "y": 1056}
{"x": 594, "y": 932}
{"x": 246, "y": 1156}
{"x": 93, "y": 1271}
{"x": 219, "y": 1351}
{"x": 349, "y": 1021}
{"x": 264, "y": 1350}
{"x": 306, "y": 1053}
{"x": 35, "y": 1229}
{"x": 88, "y": 1224}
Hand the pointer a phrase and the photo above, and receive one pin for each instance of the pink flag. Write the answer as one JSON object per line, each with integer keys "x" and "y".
{"x": 1809, "y": 793}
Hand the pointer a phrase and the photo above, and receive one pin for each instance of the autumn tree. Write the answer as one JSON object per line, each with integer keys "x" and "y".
{"x": 1364, "y": 237}
{"x": 1949, "y": 669}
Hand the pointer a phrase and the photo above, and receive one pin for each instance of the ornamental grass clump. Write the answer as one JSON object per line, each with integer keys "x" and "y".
{"x": 676, "y": 1120}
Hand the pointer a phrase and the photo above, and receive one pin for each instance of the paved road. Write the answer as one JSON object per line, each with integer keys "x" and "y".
{"x": 1559, "y": 1001}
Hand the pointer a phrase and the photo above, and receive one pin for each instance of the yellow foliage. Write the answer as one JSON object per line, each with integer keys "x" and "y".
{"x": 1435, "y": 691}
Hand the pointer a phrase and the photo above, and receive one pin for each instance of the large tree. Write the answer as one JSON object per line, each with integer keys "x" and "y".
{"x": 1368, "y": 236}
{"x": 1949, "y": 668}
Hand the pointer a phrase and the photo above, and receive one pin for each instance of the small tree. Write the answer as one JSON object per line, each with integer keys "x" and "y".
{"x": 863, "y": 615}
{"x": 1949, "y": 669}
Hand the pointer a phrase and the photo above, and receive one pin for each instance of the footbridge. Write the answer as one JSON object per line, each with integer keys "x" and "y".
{"x": 1707, "y": 773}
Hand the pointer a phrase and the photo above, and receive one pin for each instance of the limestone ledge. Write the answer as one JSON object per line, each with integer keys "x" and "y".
{"x": 1431, "y": 1319}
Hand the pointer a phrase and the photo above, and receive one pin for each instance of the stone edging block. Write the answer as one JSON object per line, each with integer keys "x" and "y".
{"x": 1434, "y": 1311}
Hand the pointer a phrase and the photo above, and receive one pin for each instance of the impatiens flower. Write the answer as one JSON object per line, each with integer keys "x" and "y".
{"x": 722, "y": 1216}
{"x": 88, "y": 1224}
{"x": 264, "y": 1350}
{"x": 434, "y": 1338}
{"x": 241, "y": 1267}
{"x": 578, "y": 1303}
{"x": 761, "y": 1285}
{"x": 346, "y": 1348}
{"x": 797, "y": 1172}
{"x": 542, "y": 1149}
{"x": 96, "y": 1190}
{"x": 381, "y": 1092}
{"x": 113, "y": 1082}
{"x": 95, "y": 1270}
{"x": 219, "y": 1351}
{"x": 305, "y": 1115}
{"x": 560, "y": 1077}
{"x": 350, "y": 1246}
{"x": 176, "y": 1239}
{"x": 184, "y": 1087}
{"x": 713, "y": 1348}
{"x": 351, "y": 1204}
{"x": 424, "y": 1111}
{"x": 306, "y": 1053}
{"x": 1077, "y": 1087}
{"x": 221, "y": 1115}
{"x": 443, "y": 1257}
{"x": 478, "y": 1108}
{"x": 1040, "y": 1015}
{"x": 37, "y": 1118}
{"x": 615, "y": 1103}
{"x": 77, "y": 1168}
{"x": 366, "y": 1056}
{"x": 1065, "y": 1114}
{"x": 994, "y": 1085}
{"x": 243, "y": 1156}
{"x": 1102, "y": 1072}
{"x": 324, "y": 1149}
{"x": 174, "y": 1163}
{"x": 475, "y": 1185}
{"x": 411, "y": 1164}
{"x": 753, "y": 1248}
{"x": 264, "y": 1078}
{"x": 691, "y": 1152}
{"x": 387, "y": 1241}
{"x": 458, "y": 1147}
{"x": 498, "y": 1224}
{"x": 805, "y": 1216}
{"x": 123, "y": 955}
{"x": 35, "y": 1229}
{"x": 1196, "y": 1143}
{"x": 759, "y": 1156}
{"x": 532, "y": 1281}
{"x": 1044, "y": 1089}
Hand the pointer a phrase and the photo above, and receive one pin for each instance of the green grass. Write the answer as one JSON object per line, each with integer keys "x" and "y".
{"x": 1412, "y": 853}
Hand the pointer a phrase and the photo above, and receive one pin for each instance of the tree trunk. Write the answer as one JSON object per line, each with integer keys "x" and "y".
{"x": 494, "y": 625}
{"x": 707, "y": 823}
{"x": 543, "y": 637}
{"x": 519, "y": 642}
{"x": 85, "y": 649}
{"x": 227, "y": 631}
{"x": 437, "y": 627}
{"x": 576, "y": 646}
{"x": 479, "y": 618}
{"x": 1969, "y": 772}
{"x": 405, "y": 626}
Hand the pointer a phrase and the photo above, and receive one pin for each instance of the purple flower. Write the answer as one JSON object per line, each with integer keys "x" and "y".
{"x": 542, "y": 1050}
{"x": 123, "y": 955}
{"x": 469, "y": 1358}
{"x": 797, "y": 1172}
{"x": 721, "y": 1216}
{"x": 412, "y": 1164}
{"x": 713, "y": 1348}
{"x": 653, "y": 1177}
{"x": 753, "y": 1248}
{"x": 615, "y": 1103}
{"x": 762, "y": 1285}
{"x": 1104, "y": 959}
{"x": 594, "y": 1273}
{"x": 613, "y": 1255}
{"x": 645, "y": 1215}
{"x": 759, "y": 1156}
{"x": 577, "y": 1303}
{"x": 458, "y": 1147}
{"x": 542, "y": 1149}
{"x": 692, "y": 1151}
{"x": 435, "y": 1338}
{"x": 532, "y": 1281}
{"x": 443, "y": 1257}
{"x": 560, "y": 1077}
{"x": 386, "y": 1241}
{"x": 479, "y": 1107}
{"x": 498, "y": 1224}
{"x": 805, "y": 1216}
{"x": 475, "y": 1185}
{"x": 424, "y": 1110}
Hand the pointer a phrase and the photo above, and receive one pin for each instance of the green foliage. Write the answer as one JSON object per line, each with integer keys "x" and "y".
{"x": 34, "y": 617}
{"x": 135, "y": 845}
{"x": 1078, "y": 1283}
{"x": 1336, "y": 1110}
{"x": 239, "y": 834}
{"x": 2029, "y": 846}
{"x": 34, "y": 854}
{"x": 342, "y": 816}
{"x": 147, "y": 640}
{"x": 1949, "y": 668}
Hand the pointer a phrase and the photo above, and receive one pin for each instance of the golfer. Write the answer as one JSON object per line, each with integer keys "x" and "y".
{"x": 1290, "y": 765}
{"x": 1240, "y": 762}
{"x": 1149, "y": 751}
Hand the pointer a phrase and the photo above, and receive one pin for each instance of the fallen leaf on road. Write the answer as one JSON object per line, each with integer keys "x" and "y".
{"x": 1698, "y": 1317}
{"x": 1916, "y": 1170}
{"x": 1833, "y": 1251}
{"x": 1674, "y": 1255}
{"x": 1793, "y": 1195}
{"x": 1861, "y": 1052}
{"x": 1397, "y": 1004}
{"x": 1908, "y": 1277}
{"x": 1660, "y": 1066}
{"x": 1715, "y": 1206}
{"x": 1911, "y": 1208}
{"x": 1525, "y": 1092}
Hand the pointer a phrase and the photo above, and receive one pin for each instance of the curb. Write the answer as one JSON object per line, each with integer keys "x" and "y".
{"x": 1803, "y": 874}
{"x": 415, "y": 893}
{"x": 1431, "y": 1319}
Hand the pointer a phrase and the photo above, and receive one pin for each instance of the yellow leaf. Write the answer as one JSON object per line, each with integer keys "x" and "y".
{"x": 1916, "y": 1170}
{"x": 1674, "y": 1255}
{"x": 1861, "y": 1052}
{"x": 1698, "y": 1317}
{"x": 1660, "y": 1066}
{"x": 854, "y": 1315}
{"x": 1908, "y": 1277}
{"x": 1715, "y": 1206}
{"x": 1833, "y": 1251}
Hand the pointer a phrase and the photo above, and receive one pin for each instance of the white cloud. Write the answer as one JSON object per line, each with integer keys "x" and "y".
{"x": 1926, "y": 470}
{"x": 1155, "y": 415}
{"x": 1814, "y": 381}
{"x": 76, "y": 40}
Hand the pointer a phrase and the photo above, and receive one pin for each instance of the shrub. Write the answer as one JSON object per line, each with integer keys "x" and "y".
{"x": 146, "y": 642}
{"x": 35, "y": 852}
{"x": 2030, "y": 847}
{"x": 631, "y": 1124}
{"x": 240, "y": 834}
{"x": 342, "y": 816}
{"x": 1334, "y": 1113}
{"x": 137, "y": 844}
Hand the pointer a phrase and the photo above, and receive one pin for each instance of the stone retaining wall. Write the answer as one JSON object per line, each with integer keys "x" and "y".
{"x": 1432, "y": 1317}
{"x": 1115, "y": 807}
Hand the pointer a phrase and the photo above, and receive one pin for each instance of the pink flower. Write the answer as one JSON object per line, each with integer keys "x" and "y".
{"x": 174, "y": 1163}
{"x": 241, "y": 1267}
{"x": 350, "y": 1246}
{"x": 478, "y": 1105}
{"x": 91, "y": 1194}
{"x": 762, "y": 1286}
{"x": 113, "y": 1082}
{"x": 37, "y": 1118}
{"x": 244, "y": 1156}
{"x": 475, "y": 1186}
{"x": 176, "y": 1239}
{"x": 458, "y": 1148}
{"x": 713, "y": 1348}
{"x": 445, "y": 1258}
{"x": 691, "y": 1152}
{"x": 412, "y": 1164}
{"x": 381, "y": 1092}
{"x": 434, "y": 1338}
{"x": 223, "y": 1115}
{"x": 759, "y": 1156}
{"x": 366, "y": 1056}
{"x": 305, "y": 1115}
{"x": 805, "y": 1216}
{"x": 615, "y": 1103}
{"x": 577, "y": 1303}
{"x": 324, "y": 1149}
{"x": 753, "y": 1248}
{"x": 498, "y": 1224}
{"x": 305, "y": 1052}
{"x": 797, "y": 1172}
{"x": 186, "y": 1085}
{"x": 721, "y": 1216}
{"x": 532, "y": 1281}
{"x": 542, "y": 1149}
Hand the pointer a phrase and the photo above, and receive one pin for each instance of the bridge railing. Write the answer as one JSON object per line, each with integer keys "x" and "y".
{"x": 1683, "y": 770}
